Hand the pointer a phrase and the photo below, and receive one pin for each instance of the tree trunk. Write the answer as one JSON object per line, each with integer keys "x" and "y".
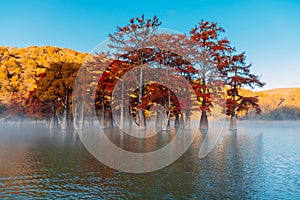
{"x": 102, "y": 115}
{"x": 64, "y": 124}
{"x": 247, "y": 114}
{"x": 82, "y": 115}
{"x": 78, "y": 116}
{"x": 121, "y": 126}
{"x": 181, "y": 120}
{"x": 142, "y": 121}
{"x": 232, "y": 125}
{"x": 110, "y": 119}
{"x": 92, "y": 117}
{"x": 165, "y": 124}
{"x": 19, "y": 121}
{"x": 204, "y": 121}
{"x": 165, "y": 121}
{"x": 129, "y": 119}
{"x": 168, "y": 111}
{"x": 165, "y": 116}
{"x": 187, "y": 120}
{"x": 158, "y": 120}
{"x": 176, "y": 124}
{"x": 53, "y": 122}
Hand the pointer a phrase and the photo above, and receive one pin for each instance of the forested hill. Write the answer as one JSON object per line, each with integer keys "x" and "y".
{"x": 22, "y": 68}
{"x": 281, "y": 91}
{"x": 278, "y": 104}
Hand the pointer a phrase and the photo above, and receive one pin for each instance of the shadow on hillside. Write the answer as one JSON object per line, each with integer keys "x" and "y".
{"x": 282, "y": 113}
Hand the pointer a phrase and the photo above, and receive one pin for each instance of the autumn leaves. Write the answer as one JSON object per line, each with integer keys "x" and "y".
{"x": 206, "y": 60}
{"x": 34, "y": 77}
{"x": 43, "y": 77}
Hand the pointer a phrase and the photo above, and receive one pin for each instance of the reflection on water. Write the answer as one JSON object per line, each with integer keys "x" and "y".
{"x": 259, "y": 161}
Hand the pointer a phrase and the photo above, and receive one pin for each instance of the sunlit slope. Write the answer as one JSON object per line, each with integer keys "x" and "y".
{"x": 280, "y": 103}
{"x": 281, "y": 91}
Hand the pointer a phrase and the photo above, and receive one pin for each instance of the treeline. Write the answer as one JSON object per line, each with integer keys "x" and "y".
{"x": 38, "y": 82}
{"x": 277, "y": 104}
{"x": 22, "y": 69}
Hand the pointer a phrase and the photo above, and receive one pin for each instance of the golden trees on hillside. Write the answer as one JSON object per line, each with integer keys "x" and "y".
{"x": 22, "y": 70}
{"x": 42, "y": 78}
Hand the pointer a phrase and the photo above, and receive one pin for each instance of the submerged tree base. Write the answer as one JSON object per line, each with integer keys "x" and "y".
{"x": 203, "y": 121}
{"x": 232, "y": 125}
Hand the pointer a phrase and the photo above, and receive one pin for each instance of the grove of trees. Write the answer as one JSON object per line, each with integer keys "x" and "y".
{"x": 38, "y": 82}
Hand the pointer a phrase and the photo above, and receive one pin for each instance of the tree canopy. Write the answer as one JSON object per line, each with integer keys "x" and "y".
{"x": 38, "y": 81}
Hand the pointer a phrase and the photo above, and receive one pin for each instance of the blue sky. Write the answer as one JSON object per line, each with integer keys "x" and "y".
{"x": 268, "y": 30}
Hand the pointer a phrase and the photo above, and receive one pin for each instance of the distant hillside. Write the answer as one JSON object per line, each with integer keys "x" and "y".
{"x": 280, "y": 91}
{"x": 278, "y": 104}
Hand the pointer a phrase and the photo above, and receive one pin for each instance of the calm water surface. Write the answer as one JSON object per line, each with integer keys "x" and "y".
{"x": 261, "y": 161}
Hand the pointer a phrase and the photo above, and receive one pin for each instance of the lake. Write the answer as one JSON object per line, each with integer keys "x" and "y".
{"x": 260, "y": 161}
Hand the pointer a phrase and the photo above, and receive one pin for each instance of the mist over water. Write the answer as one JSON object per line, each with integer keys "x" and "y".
{"x": 260, "y": 161}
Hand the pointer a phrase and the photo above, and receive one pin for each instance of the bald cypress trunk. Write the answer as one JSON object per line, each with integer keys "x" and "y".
{"x": 102, "y": 114}
{"x": 64, "y": 124}
{"x": 203, "y": 121}
{"x": 121, "y": 126}
{"x": 158, "y": 120}
{"x": 19, "y": 121}
{"x": 53, "y": 122}
{"x": 187, "y": 124}
{"x": 181, "y": 120}
{"x": 232, "y": 125}
{"x": 142, "y": 121}
{"x": 176, "y": 124}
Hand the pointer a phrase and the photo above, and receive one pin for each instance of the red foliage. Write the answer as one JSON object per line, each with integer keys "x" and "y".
{"x": 238, "y": 75}
{"x": 35, "y": 108}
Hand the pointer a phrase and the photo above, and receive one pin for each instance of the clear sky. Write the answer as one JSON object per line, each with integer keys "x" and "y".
{"x": 268, "y": 30}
